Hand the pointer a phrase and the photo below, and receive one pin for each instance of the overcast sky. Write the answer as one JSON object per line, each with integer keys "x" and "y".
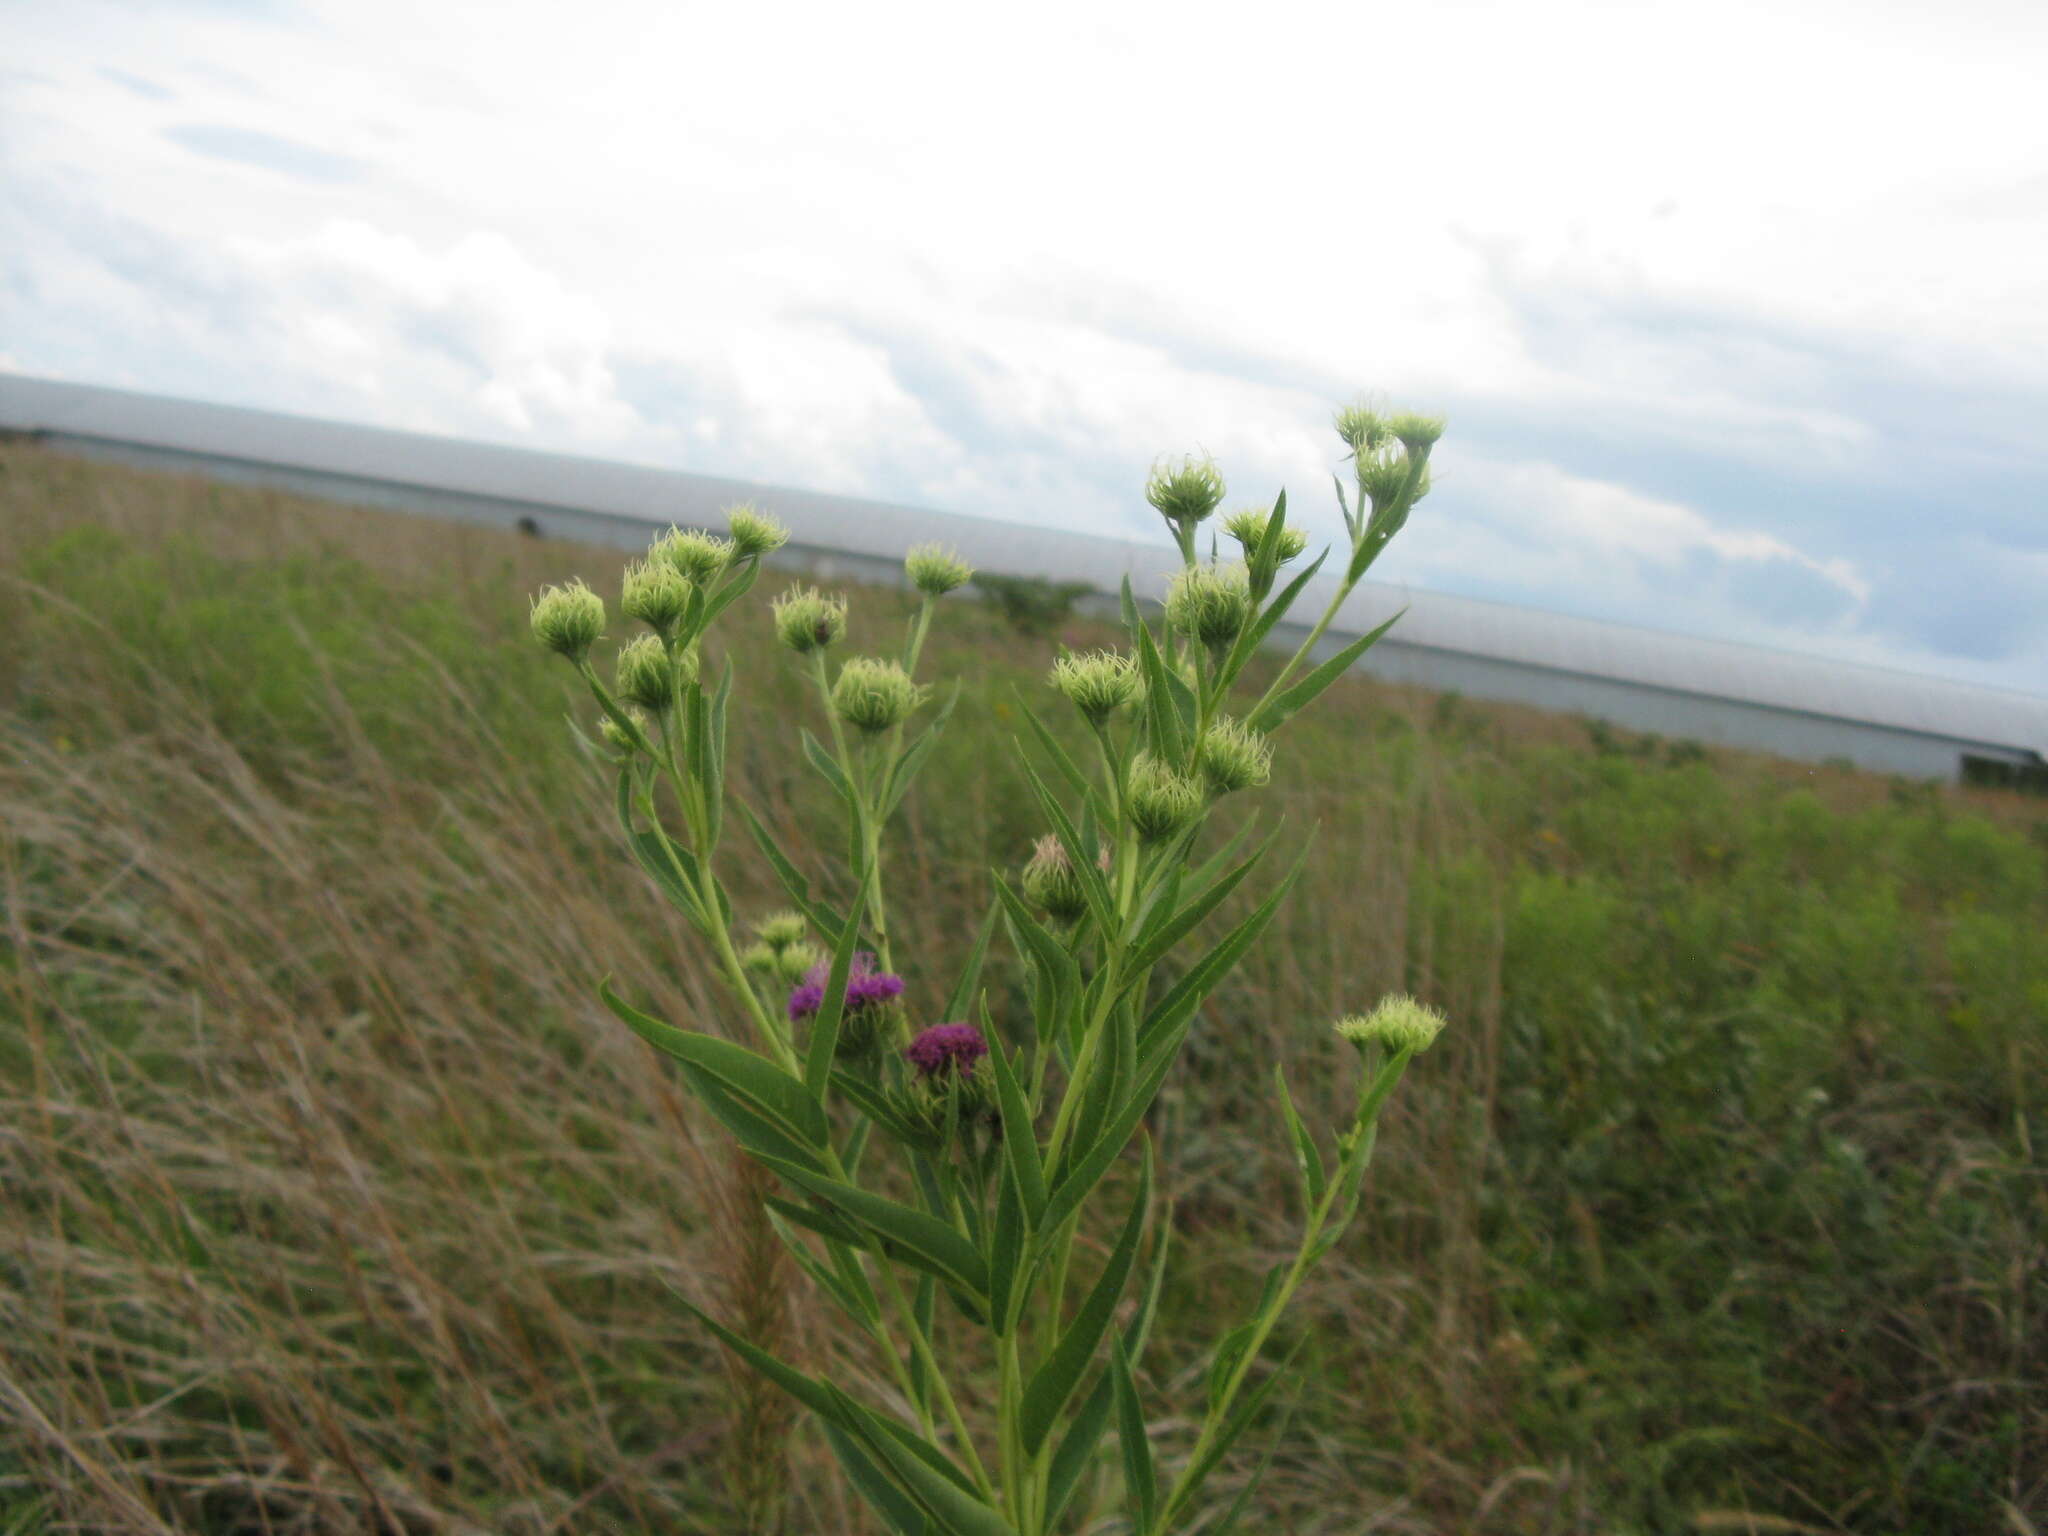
{"x": 1739, "y": 312}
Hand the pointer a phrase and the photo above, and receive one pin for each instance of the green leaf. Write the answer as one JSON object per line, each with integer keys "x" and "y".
{"x": 1005, "y": 1255}
{"x": 824, "y": 1041}
{"x": 1230, "y": 1348}
{"x": 1198, "y": 1472}
{"x": 659, "y": 855}
{"x": 1079, "y": 782}
{"x": 1183, "y": 922}
{"x": 958, "y": 1511}
{"x": 755, "y": 1078}
{"x": 869, "y": 1481}
{"x": 876, "y": 1106}
{"x": 714, "y": 760}
{"x": 1275, "y": 712}
{"x": 963, "y": 989}
{"x": 1127, "y": 605}
{"x": 1141, "y": 1485}
{"x": 820, "y": 916}
{"x": 1020, "y": 1134}
{"x": 1306, "y": 1157}
{"x": 920, "y": 1240}
{"x": 1228, "y": 1523}
{"x": 1093, "y": 886}
{"x": 1188, "y": 993}
{"x": 1253, "y": 635}
{"x": 827, "y": 767}
{"x": 1059, "y": 975}
{"x": 1054, "y": 1381}
{"x": 1087, "y": 1171}
{"x": 862, "y": 1308}
{"x": 1169, "y": 738}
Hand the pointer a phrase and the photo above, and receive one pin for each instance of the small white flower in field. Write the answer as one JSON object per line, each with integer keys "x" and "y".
{"x": 761, "y": 959}
{"x": 655, "y": 593}
{"x": 645, "y": 676}
{"x": 872, "y": 694}
{"x": 700, "y": 557}
{"x": 1051, "y": 882}
{"x": 935, "y": 571}
{"x": 753, "y": 531}
{"x": 1400, "y": 1023}
{"x": 1160, "y": 801}
{"x": 1186, "y": 492}
{"x": 1416, "y": 432}
{"x": 779, "y": 930}
{"x": 806, "y": 620}
{"x": 1233, "y": 757}
{"x": 1099, "y": 683}
{"x": 1248, "y": 527}
{"x": 568, "y": 619}
{"x": 1210, "y": 602}
{"x": 1361, "y": 426}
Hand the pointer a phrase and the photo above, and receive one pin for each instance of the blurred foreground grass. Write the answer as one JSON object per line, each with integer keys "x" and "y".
{"x": 330, "y": 1201}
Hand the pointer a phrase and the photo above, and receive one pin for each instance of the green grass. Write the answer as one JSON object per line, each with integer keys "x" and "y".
{"x": 332, "y": 1198}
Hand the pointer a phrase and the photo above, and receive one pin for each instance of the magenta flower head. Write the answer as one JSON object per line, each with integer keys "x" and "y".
{"x": 945, "y": 1050}
{"x": 866, "y": 987}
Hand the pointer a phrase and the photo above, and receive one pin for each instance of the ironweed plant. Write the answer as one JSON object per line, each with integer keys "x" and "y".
{"x": 940, "y": 1152}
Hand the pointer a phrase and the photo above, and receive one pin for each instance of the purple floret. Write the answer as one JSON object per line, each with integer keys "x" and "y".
{"x": 946, "y": 1047}
{"x": 866, "y": 987}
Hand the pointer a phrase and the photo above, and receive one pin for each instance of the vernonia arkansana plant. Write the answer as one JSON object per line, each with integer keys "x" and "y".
{"x": 927, "y": 1149}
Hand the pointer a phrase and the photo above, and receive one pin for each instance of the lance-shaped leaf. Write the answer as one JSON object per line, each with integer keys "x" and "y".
{"x": 1141, "y": 1485}
{"x": 821, "y": 917}
{"x": 959, "y": 1511}
{"x": 1182, "y": 923}
{"x": 1197, "y": 1472}
{"x": 765, "y": 1086}
{"x": 1082, "y": 857}
{"x": 872, "y": 1484}
{"x": 1187, "y": 994}
{"x": 714, "y": 760}
{"x": 970, "y": 975}
{"x": 1253, "y": 635}
{"x": 1168, "y": 730}
{"x": 865, "y": 1308}
{"x": 918, "y": 1239}
{"x": 1276, "y": 711}
{"x": 1307, "y": 1159}
{"x": 905, "y": 769}
{"x": 1086, "y": 1170}
{"x": 1020, "y": 1135}
{"x": 1079, "y": 782}
{"x": 824, "y": 1041}
{"x": 828, "y": 769}
{"x": 1054, "y": 1382}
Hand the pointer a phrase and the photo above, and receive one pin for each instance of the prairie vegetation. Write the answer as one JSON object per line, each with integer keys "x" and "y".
{"x": 331, "y": 1200}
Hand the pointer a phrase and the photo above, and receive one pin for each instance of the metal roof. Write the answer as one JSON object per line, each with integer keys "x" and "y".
{"x": 1527, "y": 637}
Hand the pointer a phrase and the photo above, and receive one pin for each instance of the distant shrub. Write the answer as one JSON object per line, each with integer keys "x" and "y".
{"x": 1030, "y": 604}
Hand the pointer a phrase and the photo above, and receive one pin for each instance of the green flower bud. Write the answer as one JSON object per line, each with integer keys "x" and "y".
{"x": 1160, "y": 801}
{"x": 872, "y": 694}
{"x": 1416, "y": 432}
{"x": 1399, "y": 1023}
{"x": 1384, "y": 474}
{"x": 700, "y": 557}
{"x": 1187, "y": 492}
{"x": 568, "y": 619}
{"x": 645, "y": 675}
{"x": 806, "y": 620}
{"x": 761, "y": 959}
{"x": 1052, "y": 883}
{"x": 1233, "y": 757}
{"x": 1098, "y": 683}
{"x": 1361, "y": 426}
{"x": 1249, "y": 527}
{"x": 799, "y": 959}
{"x": 866, "y": 1033}
{"x": 1210, "y": 602}
{"x": 655, "y": 594}
{"x": 614, "y": 736}
{"x": 935, "y": 571}
{"x": 779, "y": 930}
{"x": 754, "y": 532}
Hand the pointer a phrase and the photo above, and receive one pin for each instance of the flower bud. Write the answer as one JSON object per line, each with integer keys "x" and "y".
{"x": 568, "y": 619}
{"x": 1160, "y": 801}
{"x": 1384, "y": 475}
{"x": 1249, "y": 528}
{"x": 645, "y": 675}
{"x": 761, "y": 959}
{"x": 1210, "y": 602}
{"x": 1362, "y": 428}
{"x": 613, "y": 736}
{"x": 753, "y": 531}
{"x": 872, "y": 694}
{"x": 935, "y": 571}
{"x": 700, "y": 557}
{"x": 779, "y": 930}
{"x": 806, "y": 620}
{"x": 656, "y": 594}
{"x": 1416, "y": 432}
{"x": 1399, "y": 1023}
{"x": 799, "y": 960}
{"x": 1099, "y": 683}
{"x": 1233, "y": 757}
{"x": 1186, "y": 493}
{"x": 1052, "y": 883}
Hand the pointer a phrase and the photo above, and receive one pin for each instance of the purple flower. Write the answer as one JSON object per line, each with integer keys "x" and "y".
{"x": 866, "y": 987}
{"x": 946, "y": 1047}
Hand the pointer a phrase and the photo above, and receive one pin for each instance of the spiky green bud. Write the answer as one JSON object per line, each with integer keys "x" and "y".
{"x": 656, "y": 594}
{"x": 645, "y": 675}
{"x": 1399, "y": 1023}
{"x": 1361, "y": 426}
{"x": 1210, "y": 602}
{"x": 569, "y": 619}
{"x": 1383, "y": 475}
{"x": 806, "y": 620}
{"x": 761, "y": 959}
{"x": 1416, "y": 432}
{"x": 872, "y": 694}
{"x": 779, "y": 930}
{"x": 935, "y": 571}
{"x": 613, "y": 735}
{"x": 1248, "y": 527}
{"x": 1098, "y": 683}
{"x": 1052, "y": 883}
{"x": 1160, "y": 801}
{"x": 700, "y": 557}
{"x": 800, "y": 959}
{"x": 753, "y": 531}
{"x": 1186, "y": 492}
{"x": 1233, "y": 756}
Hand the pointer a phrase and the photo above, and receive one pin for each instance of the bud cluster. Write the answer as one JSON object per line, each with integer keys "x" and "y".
{"x": 1399, "y": 1023}
{"x": 1098, "y": 683}
{"x": 698, "y": 557}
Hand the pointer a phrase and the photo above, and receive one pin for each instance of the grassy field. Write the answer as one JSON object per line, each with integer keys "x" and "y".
{"x": 332, "y": 1201}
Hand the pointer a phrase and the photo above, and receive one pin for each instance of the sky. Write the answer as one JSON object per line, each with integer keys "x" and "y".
{"x": 1738, "y": 312}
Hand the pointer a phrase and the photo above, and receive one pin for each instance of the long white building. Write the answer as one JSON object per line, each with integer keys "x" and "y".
{"x": 1736, "y": 695}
